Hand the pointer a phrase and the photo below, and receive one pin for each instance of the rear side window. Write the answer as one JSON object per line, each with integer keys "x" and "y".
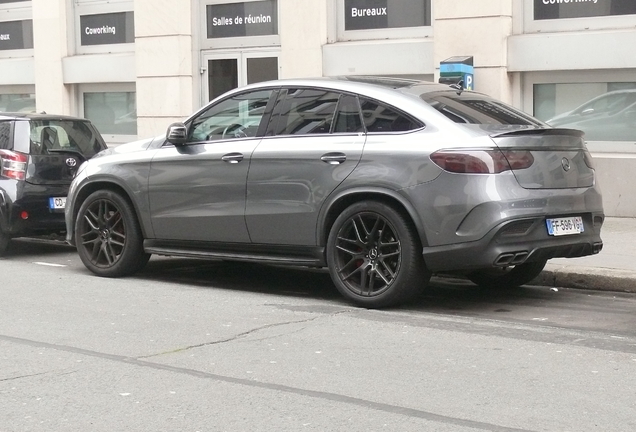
{"x": 476, "y": 109}
{"x": 306, "y": 111}
{"x": 348, "y": 119}
{"x": 378, "y": 117}
{"x": 5, "y": 135}
{"x": 52, "y": 136}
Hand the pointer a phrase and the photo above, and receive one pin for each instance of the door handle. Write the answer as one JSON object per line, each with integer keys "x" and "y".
{"x": 334, "y": 158}
{"x": 232, "y": 158}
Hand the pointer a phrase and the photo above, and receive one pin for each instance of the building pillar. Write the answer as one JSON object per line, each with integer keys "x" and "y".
{"x": 479, "y": 29}
{"x": 50, "y": 46}
{"x": 164, "y": 63}
{"x": 302, "y": 37}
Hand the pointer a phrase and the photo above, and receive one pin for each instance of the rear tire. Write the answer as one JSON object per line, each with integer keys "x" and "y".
{"x": 508, "y": 277}
{"x": 374, "y": 256}
{"x": 108, "y": 235}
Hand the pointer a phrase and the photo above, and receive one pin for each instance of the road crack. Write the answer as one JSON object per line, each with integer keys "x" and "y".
{"x": 241, "y": 335}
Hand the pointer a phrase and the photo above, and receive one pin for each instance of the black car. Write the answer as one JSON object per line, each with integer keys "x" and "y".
{"x": 39, "y": 155}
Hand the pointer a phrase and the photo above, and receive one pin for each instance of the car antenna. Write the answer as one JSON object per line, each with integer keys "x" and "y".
{"x": 459, "y": 86}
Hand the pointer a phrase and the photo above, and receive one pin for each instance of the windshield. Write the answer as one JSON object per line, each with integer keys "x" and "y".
{"x": 473, "y": 108}
{"x": 78, "y": 136}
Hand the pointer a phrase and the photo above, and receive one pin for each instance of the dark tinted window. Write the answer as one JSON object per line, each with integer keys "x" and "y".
{"x": 348, "y": 119}
{"x": 51, "y": 136}
{"x": 477, "y": 109}
{"x": 381, "y": 118}
{"x": 235, "y": 117}
{"x": 5, "y": 135}
{"x": 306, "y": 111}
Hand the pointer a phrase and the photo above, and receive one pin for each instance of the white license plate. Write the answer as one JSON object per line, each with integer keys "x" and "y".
{"x": 57, "y": 202}
{"x": 565, "y": 226}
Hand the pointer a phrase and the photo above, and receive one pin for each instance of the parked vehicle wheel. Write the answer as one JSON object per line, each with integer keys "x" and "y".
{"x": 507, "y": 277}
{"x": 5, "y": 239}
{"x": 108, "y": 236}
{"x": 374, "y": 256}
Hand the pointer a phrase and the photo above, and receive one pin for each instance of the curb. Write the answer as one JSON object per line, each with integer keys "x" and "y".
{"x": 600, "y": 279}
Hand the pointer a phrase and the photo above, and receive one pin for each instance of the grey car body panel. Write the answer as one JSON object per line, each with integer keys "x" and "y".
{"x": 289, "y": 180}
{"x": 288, "y": 200}
{"x": 196, "y": 195}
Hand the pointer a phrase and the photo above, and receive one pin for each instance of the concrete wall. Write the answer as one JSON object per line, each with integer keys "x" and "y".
{"x": 164, "y": 65}
{"x": 50, "y": 44}
{"x": 479, "y": 29}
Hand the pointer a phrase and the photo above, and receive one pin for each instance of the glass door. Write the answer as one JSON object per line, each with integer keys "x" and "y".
{"x": 226, "y": 71}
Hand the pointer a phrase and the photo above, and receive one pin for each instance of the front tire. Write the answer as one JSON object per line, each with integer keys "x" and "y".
{"x": 508, "y": 277}
{"x": 108, "y": 236}
{"x": 374, "y": 256}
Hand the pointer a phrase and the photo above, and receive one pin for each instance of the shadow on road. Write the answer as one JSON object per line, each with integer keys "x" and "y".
{"x": 25, "y": 246}
{"x": 442, "y": 295}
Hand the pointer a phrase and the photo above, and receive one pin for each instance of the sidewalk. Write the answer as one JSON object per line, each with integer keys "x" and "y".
{"x": 613, "y": 269}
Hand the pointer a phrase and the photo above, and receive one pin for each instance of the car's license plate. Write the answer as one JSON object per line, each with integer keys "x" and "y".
{"x": 565, "y": 226}
{"x": 57, "y": 202}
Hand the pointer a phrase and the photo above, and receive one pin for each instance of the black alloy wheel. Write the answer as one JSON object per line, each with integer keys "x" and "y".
{"x": 374, "y": 256}
{"x": 108, "y": 236}
{"x": 507, "y": 277}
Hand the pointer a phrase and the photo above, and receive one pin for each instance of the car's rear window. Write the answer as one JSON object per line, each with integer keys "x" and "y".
{"x": 51, "y": 136}
{"x": 473, "y": 108}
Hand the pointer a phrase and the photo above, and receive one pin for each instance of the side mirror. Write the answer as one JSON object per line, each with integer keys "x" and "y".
{"x": 177, "y": 134}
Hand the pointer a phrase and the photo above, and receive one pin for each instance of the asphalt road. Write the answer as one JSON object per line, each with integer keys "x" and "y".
{"x": 211, "y": 346}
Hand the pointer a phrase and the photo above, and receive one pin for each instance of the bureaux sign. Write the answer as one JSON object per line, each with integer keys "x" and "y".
{"x": 382, "y": 14}
{"x": 256, "y": 18}
{"x": 16, "y": 35}
{"x": 560, "y": 9}
{"x": 109, "y": 28}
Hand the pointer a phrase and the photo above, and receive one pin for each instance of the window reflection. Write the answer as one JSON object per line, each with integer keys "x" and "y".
{"x": 113, "y": 113}
{"x": 604, "y": 111}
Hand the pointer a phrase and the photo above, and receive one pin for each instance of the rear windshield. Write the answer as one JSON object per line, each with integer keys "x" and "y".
{"x": 51, "y": 136}
{"x": 473, "y": 108}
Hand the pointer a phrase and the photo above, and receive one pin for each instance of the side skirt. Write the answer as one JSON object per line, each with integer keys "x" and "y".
{"x": 309, "y": 256}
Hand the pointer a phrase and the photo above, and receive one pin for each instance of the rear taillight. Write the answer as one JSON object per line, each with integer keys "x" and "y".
{"x": 587, "y": 157}
{"x": 482, "y": 161}
{"x": 13, "y": 164}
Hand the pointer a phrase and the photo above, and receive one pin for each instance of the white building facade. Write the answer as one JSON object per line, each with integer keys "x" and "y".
{"x": 135, "y": 66}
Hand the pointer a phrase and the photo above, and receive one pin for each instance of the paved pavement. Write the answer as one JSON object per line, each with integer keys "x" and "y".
{"x": 613, "y": 269}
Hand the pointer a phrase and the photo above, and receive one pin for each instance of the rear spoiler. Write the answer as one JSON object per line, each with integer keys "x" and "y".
{"x": 540, "y": 131}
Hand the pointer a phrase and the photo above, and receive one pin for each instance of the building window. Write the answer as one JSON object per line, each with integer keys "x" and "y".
{"x": 604, "y": 111}
{"x": 113, "y": 113}
{"x": 556, "y": 15}
{"x": 24, "y": 102}
{"x": 381, "y": 19}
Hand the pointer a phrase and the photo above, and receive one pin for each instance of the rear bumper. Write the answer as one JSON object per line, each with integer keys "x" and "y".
{"x": 29, "y": 213}
{"x": 515, "y": 242}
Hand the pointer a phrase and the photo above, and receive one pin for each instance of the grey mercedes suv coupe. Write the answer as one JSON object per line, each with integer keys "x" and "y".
{"x": 382, "y": 181}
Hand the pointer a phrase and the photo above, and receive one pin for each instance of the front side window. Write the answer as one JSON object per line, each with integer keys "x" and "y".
{"x": 236, "y": 117}
{"x": 113, "y": 113}
{"x": 604, "y": 111}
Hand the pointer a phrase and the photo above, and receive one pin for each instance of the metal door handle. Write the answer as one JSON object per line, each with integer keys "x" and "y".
{"x": 232, "y": 158}
{"x": 334, "y": 158}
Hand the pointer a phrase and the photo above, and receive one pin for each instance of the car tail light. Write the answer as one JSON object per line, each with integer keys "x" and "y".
{"x": 587, "y": 157}
{"x": 13, "y": 164}
{"x": 482, "y": 161}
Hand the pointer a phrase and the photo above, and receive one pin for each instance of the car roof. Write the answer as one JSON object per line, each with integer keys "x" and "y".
{"x": 37, "y": 116}
{"x": 358, "y": 82}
